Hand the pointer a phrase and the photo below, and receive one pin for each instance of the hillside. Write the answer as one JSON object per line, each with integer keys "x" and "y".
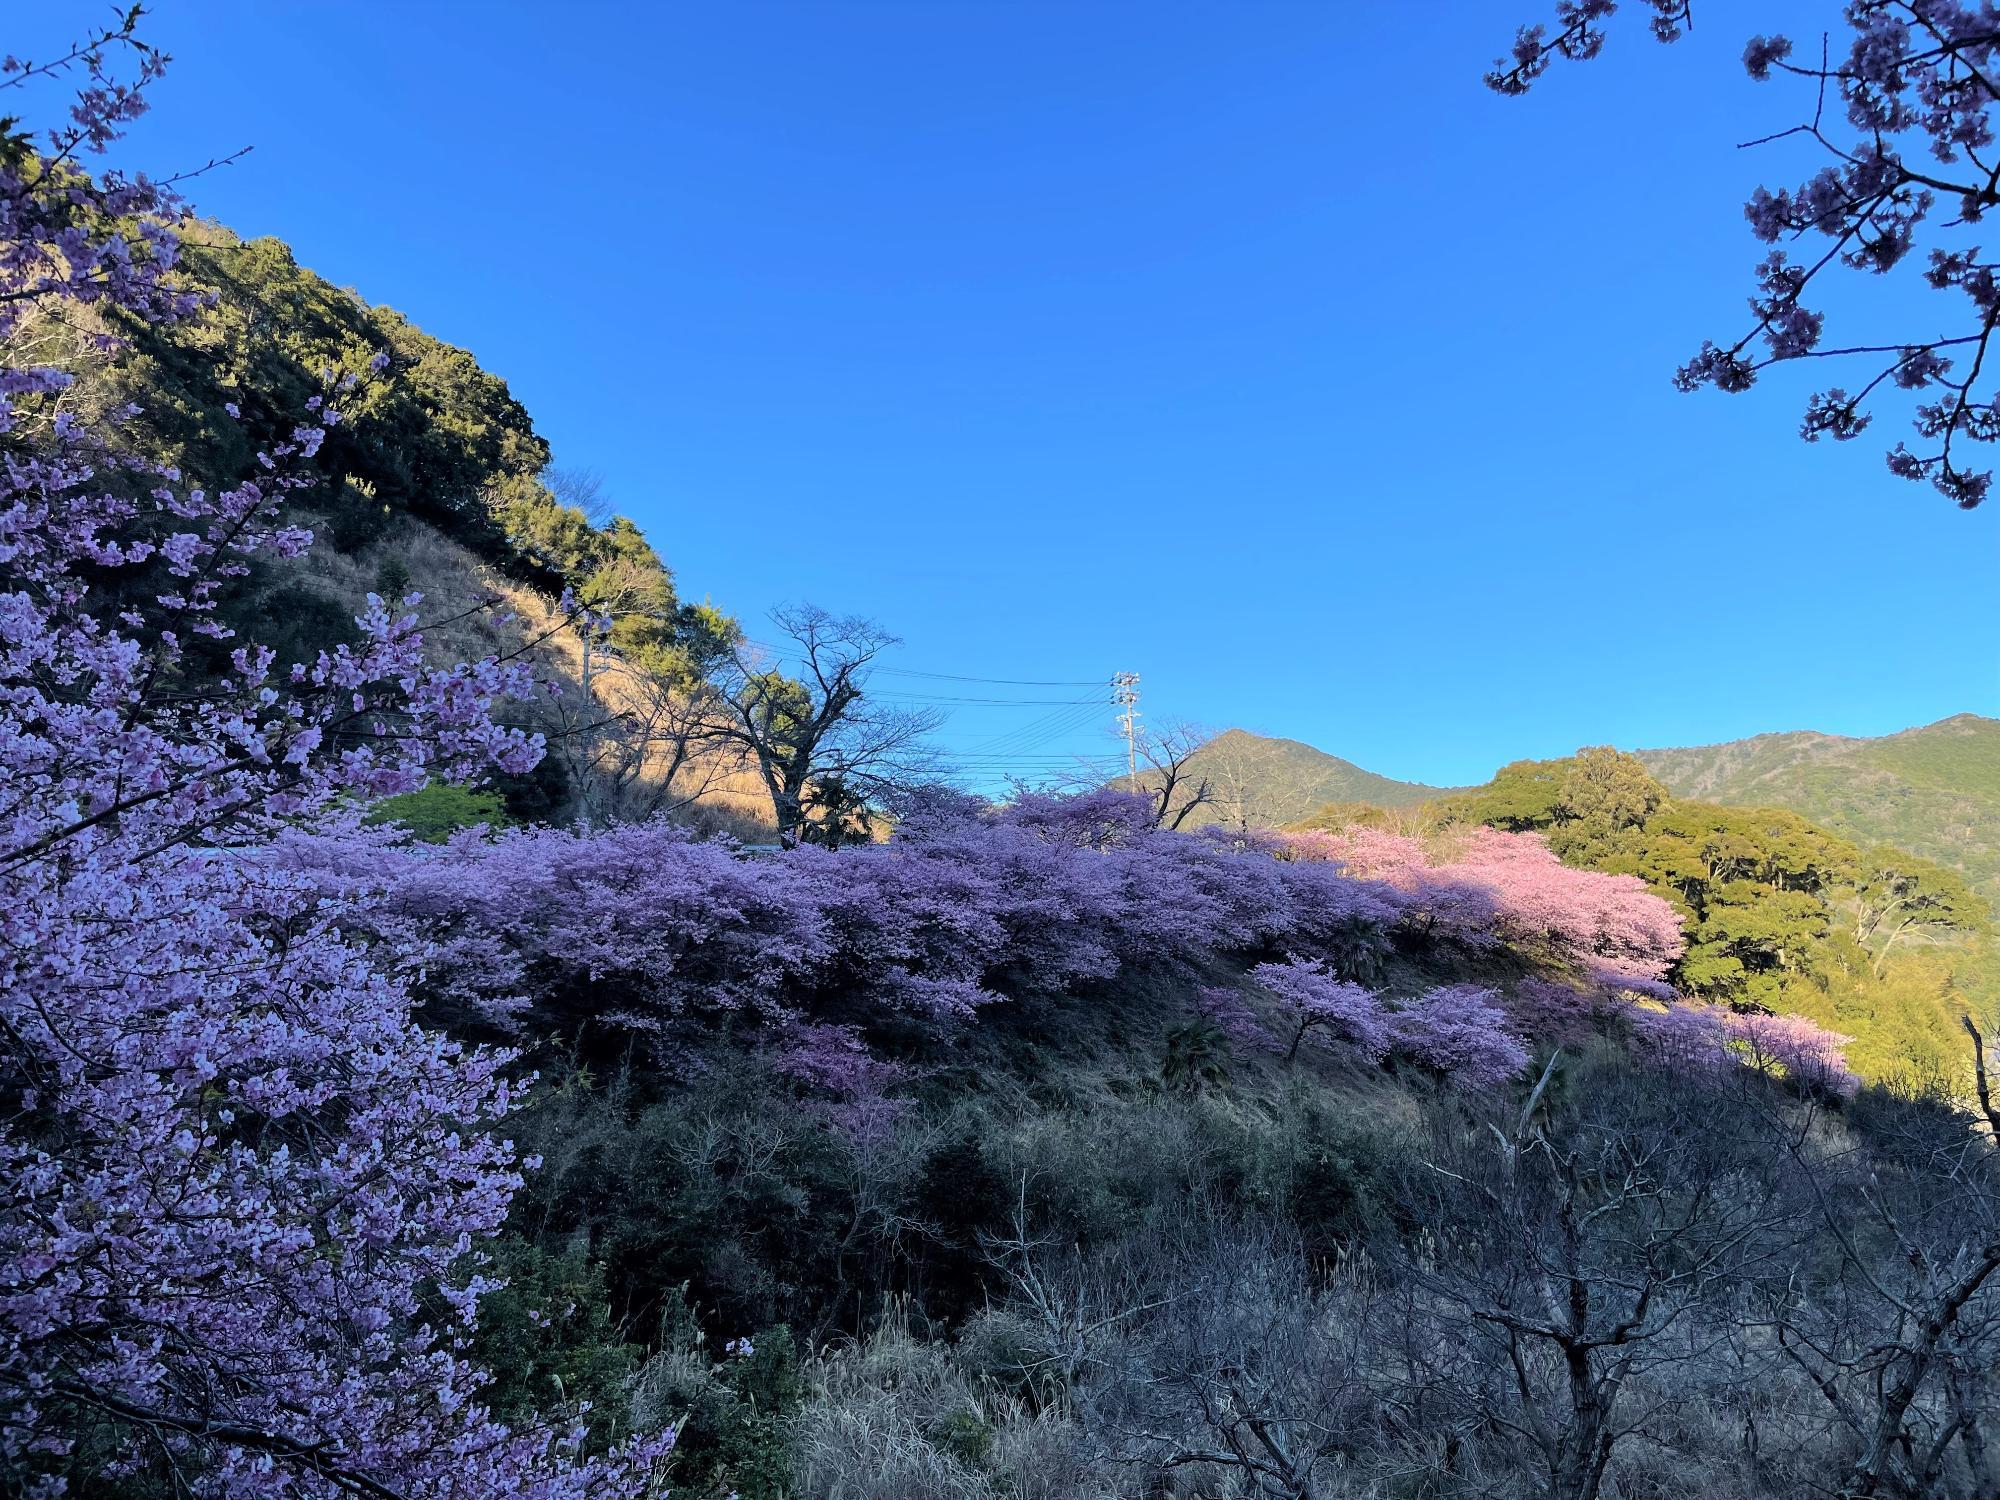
{"x": 1555, "y": 1139}
{"x": 435, "y": 482}
{"x": 1933, "y": 790}
{"x": 1261, "y": 781}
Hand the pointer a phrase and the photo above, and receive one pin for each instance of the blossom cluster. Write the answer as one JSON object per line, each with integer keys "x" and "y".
{"x": 1687, "y": 1038}
{"x": 1489, "y": 887}
{"x": 1461, "y": 1032}
{"x": 643, "y": 930}
{"x": 240, "y": 1187}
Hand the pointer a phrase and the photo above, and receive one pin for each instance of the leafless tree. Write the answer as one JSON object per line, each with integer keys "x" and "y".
{"x": 582, "y": 489}
{"x": 1902, "y": 1338}
{"x": 814, "y": 734}
{"x": 1211, "y": 1349}
{"x": 1175, "y": 780}
{"x": 640, "y": 745}
{"x": 1232, "y": 777}
{"x": 1259, "y": 1369}
{"x": 1072, "y": 1312}
{"x": 1598, "y": 1258}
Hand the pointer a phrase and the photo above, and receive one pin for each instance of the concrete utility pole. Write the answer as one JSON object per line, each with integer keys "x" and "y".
{"x": 1125, "y": 693}
{"x": 586, "y": 633}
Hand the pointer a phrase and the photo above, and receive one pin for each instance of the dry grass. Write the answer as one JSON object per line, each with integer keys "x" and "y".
{"x": 896, "y": 1418}
{"x": 480, "y": 612}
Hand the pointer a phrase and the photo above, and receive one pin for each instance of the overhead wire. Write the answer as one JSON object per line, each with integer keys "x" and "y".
{"x": 1039, "y": 731}
{"x": 783, "y": 651}
{"x": 998, "y": 681}
{"x": 1023, "y": 748}
{"x": 975, "y": 702}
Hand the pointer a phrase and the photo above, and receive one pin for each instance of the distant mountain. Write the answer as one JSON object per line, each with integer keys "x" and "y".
{"x": 1271, "y": 781}
{"x": 1934, "y": 790}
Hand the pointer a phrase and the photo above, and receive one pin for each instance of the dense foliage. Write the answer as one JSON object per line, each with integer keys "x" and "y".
{"x": 1933, "y": 791}
{"x": 638, "y": 929}
{"x": 1780, "y": 915}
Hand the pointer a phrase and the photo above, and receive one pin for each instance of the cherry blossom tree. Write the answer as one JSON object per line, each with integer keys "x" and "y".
{"x": 1485, "y": 885}
{"x": 1899, "y": 107}
{"x": 1682, "y": 1038}
{"x": 240, "y": 1189}
{"x": 1802, "y": 1051}
{"x": 1460, "y": 1032}
{"x": 1316, "y": 1003}
{"x": 1699, "y": 1039}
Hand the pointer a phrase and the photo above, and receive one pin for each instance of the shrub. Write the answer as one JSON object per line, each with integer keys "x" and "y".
{"x": 1460, "y": 1032}
{"x": 439, "y": 810}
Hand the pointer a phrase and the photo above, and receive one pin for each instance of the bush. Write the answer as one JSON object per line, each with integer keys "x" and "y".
{"x": 438, "y": 811}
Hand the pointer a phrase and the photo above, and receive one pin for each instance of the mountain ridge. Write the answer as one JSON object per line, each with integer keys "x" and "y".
{"x": 1269, "y": 779}
{"x": 1931, "y": 789}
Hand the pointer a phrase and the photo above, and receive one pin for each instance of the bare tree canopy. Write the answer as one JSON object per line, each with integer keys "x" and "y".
{"x": 583, "y": 489}
{"x": 1173, "y": 780}
{"x": 636, "y": 743}
{"x": 825, "y": 750}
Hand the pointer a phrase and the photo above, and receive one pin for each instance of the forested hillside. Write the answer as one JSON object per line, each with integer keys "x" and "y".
{"x": 1781, "y": 915}
{"x": 1934, "y": 790}
{"x": 435, "y": 481}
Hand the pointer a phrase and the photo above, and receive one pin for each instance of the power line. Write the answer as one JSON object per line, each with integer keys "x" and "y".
{"x": 793, "y": 650}
{"x": 997, "y": 681}
{"x": 1043, "y": 756}
{"x": 1040, "y": 731}
{"x": 976, "y": 702}
{"x": 1022, "y": 749}
{"x": 1078, "y": 709}
{"x": 1037, "y": 758}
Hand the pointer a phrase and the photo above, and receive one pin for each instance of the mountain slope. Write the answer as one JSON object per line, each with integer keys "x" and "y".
{"x": 1933, "y": 790}
{"x": 1260, "y": 780}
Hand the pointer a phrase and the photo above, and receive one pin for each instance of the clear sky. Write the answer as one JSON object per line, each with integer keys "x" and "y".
{"x": 1253, "y": 348}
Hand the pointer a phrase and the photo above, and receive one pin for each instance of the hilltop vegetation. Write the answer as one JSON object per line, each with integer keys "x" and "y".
{"x": 1781, "y": 852}
{"x": 1781, "y": 916}
{"x": 434, "y": 481}
{"x": 1934, "y": 791}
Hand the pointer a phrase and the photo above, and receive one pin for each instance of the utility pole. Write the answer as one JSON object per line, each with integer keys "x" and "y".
{"x": 1125, "y": 693}
{"x": 586, "y": 634}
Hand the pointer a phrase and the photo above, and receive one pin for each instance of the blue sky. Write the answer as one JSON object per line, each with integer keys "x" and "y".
{"x": 1256, "y": 349}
